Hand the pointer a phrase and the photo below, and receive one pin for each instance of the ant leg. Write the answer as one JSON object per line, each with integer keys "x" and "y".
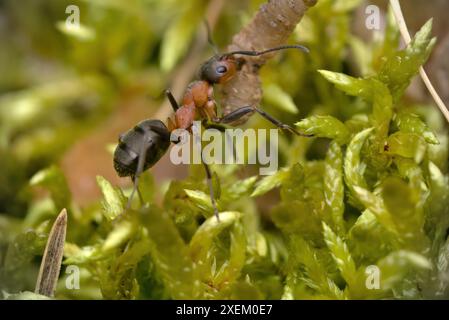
{"x": 136, "y": 188}
{"x": 139, "y": 194}
{"x": 135, "y": 178}
{"x": 222, "y": 128}
{"x": 240, "y": 112}
{"x": 236, "y": 114}
{"x": 232, "y": 117}
{"x": 211, "y": 190}
{"x": 172, "y": 100}
{"x": 214, "y": 125}
{"x": 279, "y": 124}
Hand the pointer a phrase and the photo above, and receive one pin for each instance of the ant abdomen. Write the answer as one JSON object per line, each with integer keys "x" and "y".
{"x": 150, "y": 138}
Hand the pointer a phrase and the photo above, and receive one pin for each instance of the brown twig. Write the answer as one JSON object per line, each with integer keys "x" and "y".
{"x": 52, "y": 258}
{"x": 270, "y": 27}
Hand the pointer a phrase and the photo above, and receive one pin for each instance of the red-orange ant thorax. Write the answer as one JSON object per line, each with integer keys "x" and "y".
{"x": 184, "y": 117}
{"x": 197, "y": 103}
{"x": 197, "y": 93}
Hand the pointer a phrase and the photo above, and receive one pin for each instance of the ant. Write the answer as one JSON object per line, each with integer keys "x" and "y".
{"x": 143, "y": 146}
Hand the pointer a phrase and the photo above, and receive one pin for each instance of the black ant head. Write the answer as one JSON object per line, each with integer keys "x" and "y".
{"x": 219, "y": 69}
{"x": 222, "y": 67}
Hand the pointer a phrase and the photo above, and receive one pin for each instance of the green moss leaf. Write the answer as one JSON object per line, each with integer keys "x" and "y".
{"x": 325, "y": 127}
{"x": 334, "y": 187}
{"x": 365, "y": 232}
{"x": 390, "y": 41}
{"x": 354, "y": 170}
{"x": 315, "y": 275}
{"x": 349, "y": 85}
{"x": 340, "y": 254}
{"x": 120, "y": 282}
{"x": 411, "y": 123}
{"x": 79, "y": 256}
{"x": 201, "y": 199}
{"x": 437, "y": 218}
{"x": 114, "y": 200}
{"x": 403, "y": 201}
{"x": 399, "y": 68}
{"x": 399, "y": 198}
{"x": 407, "y": 145}
{"x": 81, "y": 32}
{"x": 26, "y": 295}
{"x": 293, "y": 186}
{"x": 119, "y": 235}
{"x": 245, "y": 291}
{"x": 270, "y": 182}
{"x": 238, "y": 189}
{"x": 17, "y": 262}
{"x": 24, "y": 247}
{"x": 397, "y": 264}
{"x": 274, "y": 95}
{"x": 369, "y": 89}
{"x": 53, "y": 180}
{"x": 230, "y": 270}
{"x": 297, "y": 217}
{"x": 441, "y": 285}
{"x": 170, "y": 255}
{"x": 353, "y": 167}
{"x": 202, "y": 239}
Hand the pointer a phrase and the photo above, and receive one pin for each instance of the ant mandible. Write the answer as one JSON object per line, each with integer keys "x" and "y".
{"x": 142, "y": 147}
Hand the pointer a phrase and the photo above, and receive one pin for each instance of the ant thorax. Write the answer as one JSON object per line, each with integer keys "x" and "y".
{"x": 197, "y": 93}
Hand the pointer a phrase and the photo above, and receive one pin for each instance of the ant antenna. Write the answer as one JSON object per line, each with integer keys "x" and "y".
{"x": 209, "y": 37}
{"x": 259, "y": 53}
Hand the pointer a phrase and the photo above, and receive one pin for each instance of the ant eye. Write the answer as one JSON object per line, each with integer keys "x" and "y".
{"x": 222, "y": 69}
